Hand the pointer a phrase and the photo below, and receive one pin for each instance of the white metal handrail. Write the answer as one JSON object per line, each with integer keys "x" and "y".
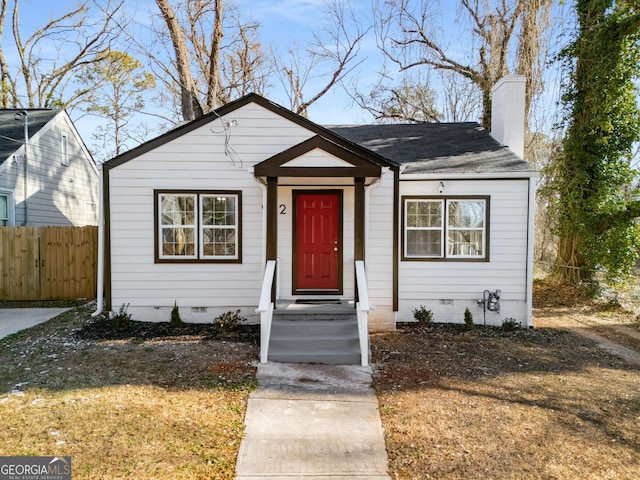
{"x": 265, "y": 308}
{"x": 363, "y": 307}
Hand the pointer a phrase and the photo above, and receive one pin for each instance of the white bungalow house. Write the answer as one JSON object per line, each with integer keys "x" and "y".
{"x": 47, "y": 175}
{"x": 253, "y": 207}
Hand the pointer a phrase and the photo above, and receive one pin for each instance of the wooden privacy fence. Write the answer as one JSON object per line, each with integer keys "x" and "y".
{"x": 48, "y": 263}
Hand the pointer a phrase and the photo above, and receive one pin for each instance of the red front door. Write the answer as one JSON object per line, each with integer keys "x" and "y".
{"x": 317, "y": 242}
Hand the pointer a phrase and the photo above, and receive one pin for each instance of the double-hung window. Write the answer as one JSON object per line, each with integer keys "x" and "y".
{"x": 198, "y": 226}
{"x": 424, "y": 229}
{"x": 445, "y": 228}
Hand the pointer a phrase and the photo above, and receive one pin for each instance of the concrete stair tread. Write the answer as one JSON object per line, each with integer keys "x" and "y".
{"x": 326, "y": 359}
{"x": 315, "y": 338}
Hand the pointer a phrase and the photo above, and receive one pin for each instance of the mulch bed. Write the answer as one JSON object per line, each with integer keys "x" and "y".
{"x": 102, "y": 328}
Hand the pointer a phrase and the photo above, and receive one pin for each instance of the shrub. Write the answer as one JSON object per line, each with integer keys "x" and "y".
{"x": 176, "y": 320}
{"x": 510, "y": 324}
{"x": 122, "y": 319}
{"x": 423, "y": 315}
{"x": 468, "y": 319}
{"x": 228, "y": 321}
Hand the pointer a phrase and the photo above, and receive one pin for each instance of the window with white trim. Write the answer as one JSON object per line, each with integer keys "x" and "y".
{"x": 198, "y": 226}
{"x": 6, "y": 210}
{"x": 445, "y": 228}
{"x": 424, "y": 230}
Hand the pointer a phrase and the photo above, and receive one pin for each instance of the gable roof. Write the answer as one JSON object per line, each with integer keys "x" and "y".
{"x": 12, "y": 130}
{"x": 437, "y": 147}
{"x": 427, "y": 148}
{"x": 231, "y": 107}
{"x": 359, "y": 165}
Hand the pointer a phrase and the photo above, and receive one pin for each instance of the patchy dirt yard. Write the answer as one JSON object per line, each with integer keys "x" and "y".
{"x": 549, "y": 403}
{"x": 142, "y": 402}
{"x": 151, "y": 401}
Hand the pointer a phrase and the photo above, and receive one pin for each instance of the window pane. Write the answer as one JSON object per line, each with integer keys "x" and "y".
{"x": 4, "y": 209}
{"x": 466, "y": 213}
{"x": 219, "y": 222}
{"x": 178, "y": 241}
{"x": 219, "y": 210}
{"x": 225, "y": 211}
{"x": 219, "y": 242}
{"x": 178, "y": 210}
{"x": 422, "y": 214}
{"x": 424, "y": 243}
{"x": 465, "y": 243}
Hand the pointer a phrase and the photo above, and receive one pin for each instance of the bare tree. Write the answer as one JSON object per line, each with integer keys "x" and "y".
{"x": 460, "y": 100}
{"x": 216, "y": 55}
{"x": 244, "y": 69}
{"x": 408, "y": 39}
{"x": 79, "y": 36}
{"x": 413, "y": 101}
{"x": 5, "y": 80}
{"x": 331, "y": 56}
{"x": 533, "y": 48}
{"x": 189, "y": 102}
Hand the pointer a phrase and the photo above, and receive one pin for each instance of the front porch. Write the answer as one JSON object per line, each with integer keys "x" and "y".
{"x": 329, "y": 331}
{"x": 315, "y": 218}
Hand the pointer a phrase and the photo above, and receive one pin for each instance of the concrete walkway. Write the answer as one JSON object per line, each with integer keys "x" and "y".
{"x": 12, "y": 320}
{"x": 312, "y": 422}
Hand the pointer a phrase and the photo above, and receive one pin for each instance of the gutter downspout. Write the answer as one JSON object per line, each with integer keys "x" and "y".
{"x": 367, "y": 193}
{"x": 100, "y": 273}
{"x": 26, "y": 169}
{"x": 263, "y": 186}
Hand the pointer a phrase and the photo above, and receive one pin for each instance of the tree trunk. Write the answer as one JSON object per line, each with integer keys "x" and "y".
{"x": 4, "y": 69}
{"x": 191, "y": 107}
{"x": 213, "y": 93}
{"x": 569, "y": 261}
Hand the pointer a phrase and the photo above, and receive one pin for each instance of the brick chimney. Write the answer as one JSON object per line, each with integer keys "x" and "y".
{"x": 507, "y": 112}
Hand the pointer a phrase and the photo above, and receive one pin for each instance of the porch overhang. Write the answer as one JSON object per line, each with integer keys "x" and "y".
{"x": 319, "y": 158}
{"x": 352, "y": 164}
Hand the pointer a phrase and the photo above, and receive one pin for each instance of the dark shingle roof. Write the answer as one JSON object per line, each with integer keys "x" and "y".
{"x": 436, "y": 147}
{"x": 12, "y": 128}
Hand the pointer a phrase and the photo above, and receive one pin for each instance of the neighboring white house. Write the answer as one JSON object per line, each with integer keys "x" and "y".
{"x": 47, "y": 175}
{"x": 441, "y": 214}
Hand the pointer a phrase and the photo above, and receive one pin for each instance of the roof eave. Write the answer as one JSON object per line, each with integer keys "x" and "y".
{"x": 468, "y": 175}
{"x": 234, "y": 105}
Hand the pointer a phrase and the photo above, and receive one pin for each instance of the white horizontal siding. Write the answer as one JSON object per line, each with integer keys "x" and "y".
{"x": 379, "y": 242}
{"x": 56, "y": 193}
{"x": 195, "y": 161}
{"x": 317, "y": 158}
{"x": 428, "y": 282}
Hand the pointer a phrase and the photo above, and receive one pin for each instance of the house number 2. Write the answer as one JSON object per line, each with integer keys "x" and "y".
{"x": 283, "y": 209}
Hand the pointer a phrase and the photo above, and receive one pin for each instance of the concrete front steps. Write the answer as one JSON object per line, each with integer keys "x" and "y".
{"x": 315, "y": 337}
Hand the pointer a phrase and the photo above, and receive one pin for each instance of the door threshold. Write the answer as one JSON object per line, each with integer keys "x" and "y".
{"x": 318, "y": 301}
